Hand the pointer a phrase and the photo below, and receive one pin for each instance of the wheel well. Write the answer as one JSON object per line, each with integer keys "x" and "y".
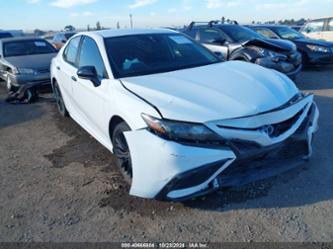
{"x": 115, "y": 120}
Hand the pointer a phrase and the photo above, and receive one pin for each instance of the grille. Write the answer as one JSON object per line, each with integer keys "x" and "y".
{"x": 264, "y": 165}
{"x": 282, "y": 127}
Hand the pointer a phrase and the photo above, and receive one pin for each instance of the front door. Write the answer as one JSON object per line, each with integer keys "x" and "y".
{"x": 90, "y": 98}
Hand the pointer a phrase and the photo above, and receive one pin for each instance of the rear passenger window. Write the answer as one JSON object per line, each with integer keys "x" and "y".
{"x": 90, "y": 56}
{"x": 71, "y": 50}
{"x": 312, "y": 27}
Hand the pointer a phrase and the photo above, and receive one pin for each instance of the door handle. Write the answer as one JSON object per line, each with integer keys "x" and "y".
{"x": 74, "y": 79}
{"x": 58, "y": 68}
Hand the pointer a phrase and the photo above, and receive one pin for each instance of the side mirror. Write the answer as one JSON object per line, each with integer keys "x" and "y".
{"x": 89, "y": 73}
{"x": 63, "y": 41}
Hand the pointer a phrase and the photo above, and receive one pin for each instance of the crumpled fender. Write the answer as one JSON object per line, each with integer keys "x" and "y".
{"x": 156, "y": 161}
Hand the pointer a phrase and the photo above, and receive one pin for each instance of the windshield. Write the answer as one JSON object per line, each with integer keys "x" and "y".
{"x": 136, "y": 55}
{"x": 27, "y": 47}
{"x": 239, "y": 33}
{"x": 288, "y": 33}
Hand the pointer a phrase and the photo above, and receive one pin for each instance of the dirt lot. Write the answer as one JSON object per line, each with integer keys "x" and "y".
{"x": 58, "y": 184}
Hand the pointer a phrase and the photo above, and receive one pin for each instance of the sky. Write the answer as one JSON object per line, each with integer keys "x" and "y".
{"x": 56, "y": 14}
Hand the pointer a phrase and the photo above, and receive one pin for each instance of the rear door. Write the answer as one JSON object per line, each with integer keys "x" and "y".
{"x": 212, "y": 39}
{"x": 90, "y": 99}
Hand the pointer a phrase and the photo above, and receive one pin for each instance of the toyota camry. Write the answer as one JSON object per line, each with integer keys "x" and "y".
{"x": 181, "y": 122}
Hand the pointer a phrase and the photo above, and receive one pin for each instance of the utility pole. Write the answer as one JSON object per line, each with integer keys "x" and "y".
{"x": 131, "y": 20}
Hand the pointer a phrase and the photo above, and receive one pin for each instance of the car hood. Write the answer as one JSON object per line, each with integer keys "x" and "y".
{"x": 313, "y": 42}
{"x": 214, "y": 92}
{"x": 272, "y": 44}
{"x": 37, "y": 61}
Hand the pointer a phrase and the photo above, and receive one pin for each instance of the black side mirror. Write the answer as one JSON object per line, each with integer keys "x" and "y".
{"x": 63, "y": 41}
{"x": 89, "y": 73}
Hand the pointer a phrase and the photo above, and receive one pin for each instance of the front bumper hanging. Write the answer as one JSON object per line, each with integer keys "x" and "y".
{"x": 166, "y": 170}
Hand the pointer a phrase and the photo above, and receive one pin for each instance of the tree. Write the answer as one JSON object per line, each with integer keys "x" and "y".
{"x": 88, "y": 27}
{"x": 223, "y": 19}
{"x": 69, "y": 28}
{"x": 98, "y": 26}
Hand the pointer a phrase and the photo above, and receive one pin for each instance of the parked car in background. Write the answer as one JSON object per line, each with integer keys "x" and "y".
{"x": 236, "y": 42}
{"x": 180, "y": 122}
{"x": 60, "y": 39}
{"x": 5, "y": 34}
{"x": 313, "y": 51}
{"x": 321, "y": 29}
{"x": 25, "y": 60}
{"x": 48, "y": 37}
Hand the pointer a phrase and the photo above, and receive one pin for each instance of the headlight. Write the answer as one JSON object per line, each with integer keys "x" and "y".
{"x": 321, "y": 49}
{"x": 181, "y": 131}
{"x": 270, "y": 54}
{"x": 25, "y": 71}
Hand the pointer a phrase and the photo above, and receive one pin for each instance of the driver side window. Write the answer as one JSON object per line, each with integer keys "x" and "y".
{"x": 90, "y": 56}
{"x": 210, "y": 36}
{"x": 267, "y": 33}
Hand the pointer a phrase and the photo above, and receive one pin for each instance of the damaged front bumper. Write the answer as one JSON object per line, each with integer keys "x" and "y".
{"x": 288, "y": 68}
{"x": 36, "y": 80}
{"x": 167, "y": 170}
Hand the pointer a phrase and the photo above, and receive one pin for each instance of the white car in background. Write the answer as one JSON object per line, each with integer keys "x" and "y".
{"x": 180, "y": 122}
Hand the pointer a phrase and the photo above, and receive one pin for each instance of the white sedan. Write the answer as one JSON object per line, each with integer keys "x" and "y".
{"x": 180, "y": 122}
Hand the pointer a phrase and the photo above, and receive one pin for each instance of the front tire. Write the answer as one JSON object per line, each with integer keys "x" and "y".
{"x": 122, "y": 152}
{"x": 60, "y": 101}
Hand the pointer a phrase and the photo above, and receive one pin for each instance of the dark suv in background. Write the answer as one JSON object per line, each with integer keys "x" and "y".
{"x": 236, "y": 42}
{"x": 316, "y": 52}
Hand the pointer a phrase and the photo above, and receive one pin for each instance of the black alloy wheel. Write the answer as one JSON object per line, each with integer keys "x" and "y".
{"x": 59, "y": 100}
{"x": 122, "y": 152}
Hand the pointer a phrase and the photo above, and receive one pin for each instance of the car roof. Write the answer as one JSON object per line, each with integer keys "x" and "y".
{"x": 268, "y": 26}
{"x": 65, "y": 32}
{"x": 124, "y": 32}
{"x": 10, "y": 39}
{"x": 200, "y": 26}
{"x": 320, "y": 19}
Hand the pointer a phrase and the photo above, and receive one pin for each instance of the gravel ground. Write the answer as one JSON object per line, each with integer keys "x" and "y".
{"x": 58, "y": 184}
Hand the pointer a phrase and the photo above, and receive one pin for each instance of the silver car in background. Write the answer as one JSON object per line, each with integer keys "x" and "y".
{"x": 25, "y": 61}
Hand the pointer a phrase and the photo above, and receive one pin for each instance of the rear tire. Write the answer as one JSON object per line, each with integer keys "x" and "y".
{"x": 122, "y": 152}
{"x": 59, "y": 100}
